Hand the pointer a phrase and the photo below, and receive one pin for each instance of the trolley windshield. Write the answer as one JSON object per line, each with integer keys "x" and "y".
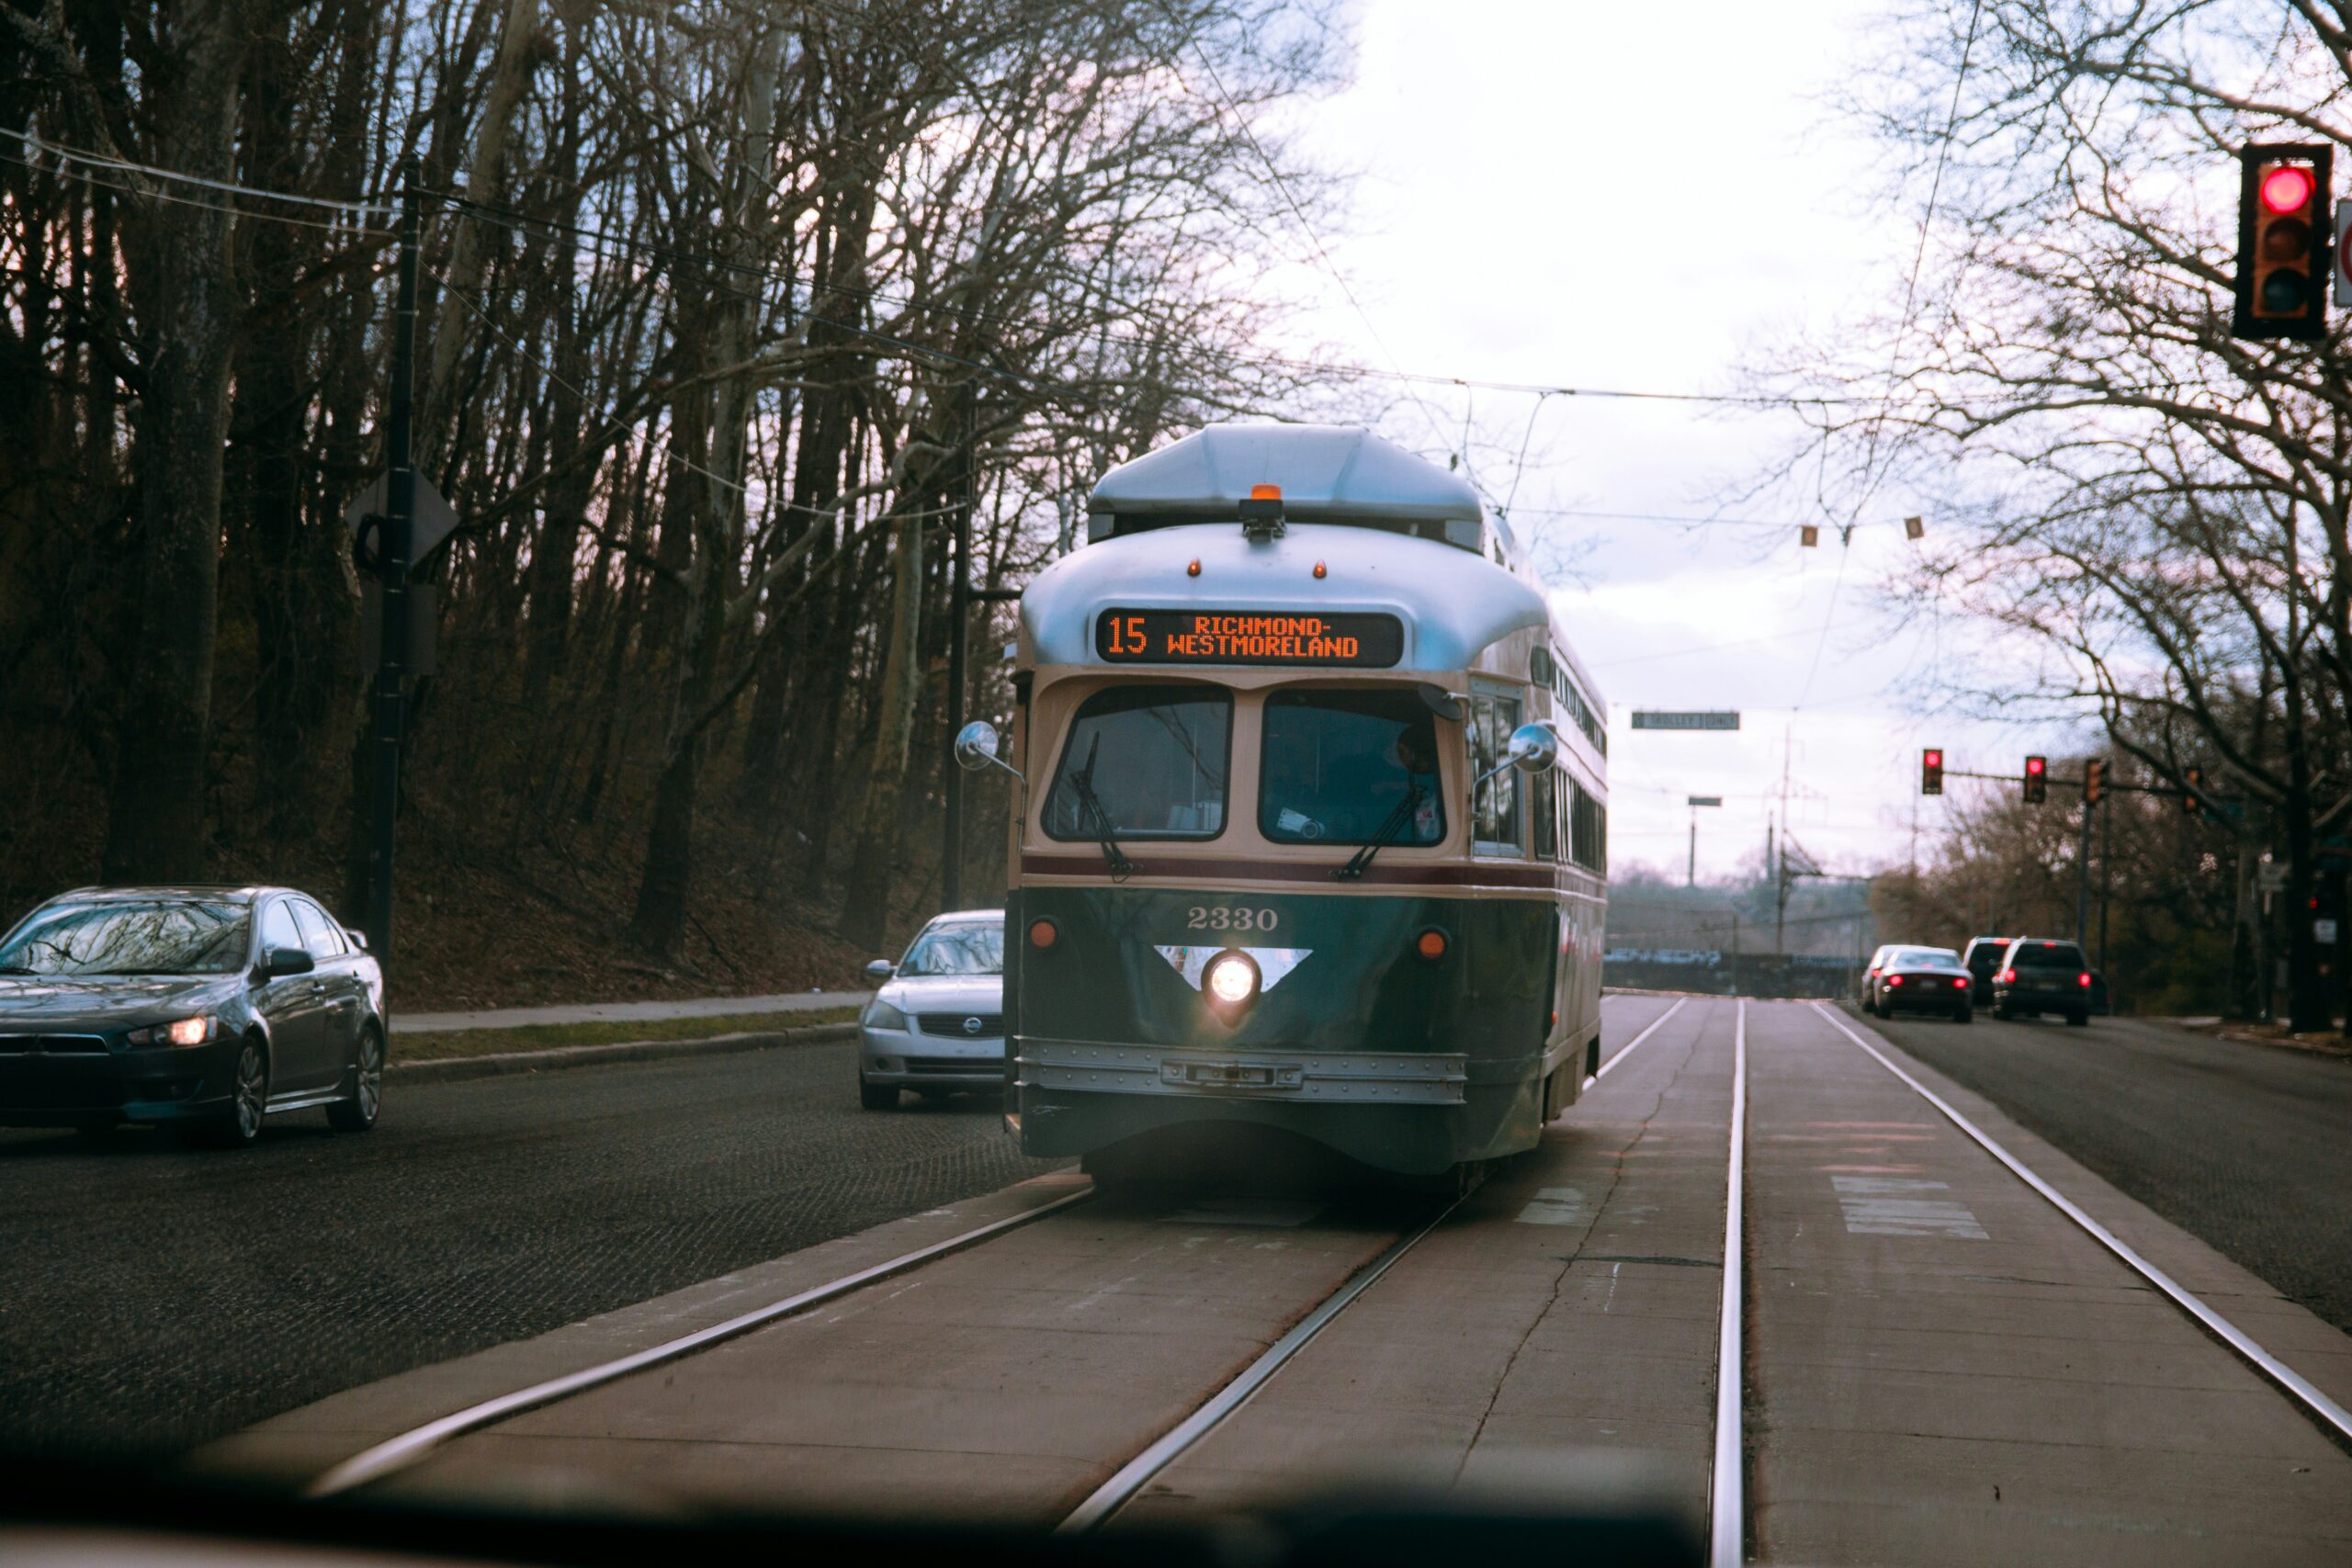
{"x": 1349, "y": 767}
{"x": 1144, "y": 763}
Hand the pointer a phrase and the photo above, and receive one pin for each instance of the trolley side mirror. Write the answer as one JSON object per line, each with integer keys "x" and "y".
{"x": 1532, "y": 749}
{"x": 976, "y": 747}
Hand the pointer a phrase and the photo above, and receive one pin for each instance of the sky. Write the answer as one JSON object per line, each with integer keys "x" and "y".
{"x": 1614, "y": 195}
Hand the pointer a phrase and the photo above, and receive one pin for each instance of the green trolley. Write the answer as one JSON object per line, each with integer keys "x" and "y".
{"x": 1312, "y": 820}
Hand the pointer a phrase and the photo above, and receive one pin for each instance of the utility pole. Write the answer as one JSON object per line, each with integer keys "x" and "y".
{"x": 398, "y": 537}
{"x": 959, "y": 596}
{"x": 2106, "y": 883}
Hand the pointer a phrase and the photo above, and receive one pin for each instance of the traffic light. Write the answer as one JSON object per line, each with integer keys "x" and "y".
{"x": 2283, "y": 228}
{"x": 2094, "y": 780}
{"x": 1931, "y": 771}
{"x": 2194, "y": 801}
{"x": 2037, "y": 780}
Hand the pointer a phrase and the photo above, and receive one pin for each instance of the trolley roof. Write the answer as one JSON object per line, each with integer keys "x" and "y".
{"x": 1326, "y": 474}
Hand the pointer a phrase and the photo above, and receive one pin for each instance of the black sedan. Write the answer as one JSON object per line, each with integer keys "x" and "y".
{"x": 206, "y": 1007}
{"x": 1920, "y": 979}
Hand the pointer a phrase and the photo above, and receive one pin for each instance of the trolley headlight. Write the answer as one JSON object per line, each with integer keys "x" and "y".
{"x": 882, "y": 1015}
{"x": 1230, "y": 982}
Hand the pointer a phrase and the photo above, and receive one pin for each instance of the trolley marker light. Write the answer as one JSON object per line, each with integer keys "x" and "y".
{"x": 1430, "y": 944}
{"x": 1044, "y": 933}
{"x": 2283, "y": 236}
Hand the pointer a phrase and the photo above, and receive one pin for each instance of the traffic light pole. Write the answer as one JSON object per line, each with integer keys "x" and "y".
{"x": 2083, "y": 881}
{"x": 398, "y": 539}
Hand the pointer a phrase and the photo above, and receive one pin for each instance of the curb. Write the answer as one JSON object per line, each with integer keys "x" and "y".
{"x": 458, "y": 1069}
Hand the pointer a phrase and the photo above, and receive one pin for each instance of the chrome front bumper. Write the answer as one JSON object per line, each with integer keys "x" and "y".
{"x": 1356, "y": 1078}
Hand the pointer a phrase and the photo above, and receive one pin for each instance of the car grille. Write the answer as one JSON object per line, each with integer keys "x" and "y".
{"x": 52, "y": 1044}
{"x": 951, "y": 1025}
{"x": 956, "y": 1067}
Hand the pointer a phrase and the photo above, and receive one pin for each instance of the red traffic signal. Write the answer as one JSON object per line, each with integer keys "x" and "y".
{"x": 2283, "y": 230}
{"x": 1931, "y": 771}
{"x": 2037, "y": 780}
{"x": 2192, "y": 801}
{"x": 2287, "y": 188}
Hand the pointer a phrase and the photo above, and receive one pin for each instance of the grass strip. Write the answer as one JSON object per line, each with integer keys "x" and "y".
{"x": 443, "y": 1045}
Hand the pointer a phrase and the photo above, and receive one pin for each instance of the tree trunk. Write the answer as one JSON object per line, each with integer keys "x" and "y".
{"x": 179, "y": 283}
{"x": 873, "y": 875}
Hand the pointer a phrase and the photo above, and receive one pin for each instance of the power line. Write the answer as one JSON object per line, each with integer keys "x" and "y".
{"x": 106, "y": 161}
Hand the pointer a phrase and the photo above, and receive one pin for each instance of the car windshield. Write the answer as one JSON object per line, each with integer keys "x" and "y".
{"x": 165, "y": 936}
{"x": 1345, "y": 767}
{"x": 969, "y": 947}
{"x": 1144, "y": 763}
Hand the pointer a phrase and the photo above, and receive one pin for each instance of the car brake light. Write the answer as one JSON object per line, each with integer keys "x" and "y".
{"x": 2006, "y": 977}
{"x": 2081, "y": 979}
{"x": 1961, "y": 984}
{"x": 1894, "y": 980}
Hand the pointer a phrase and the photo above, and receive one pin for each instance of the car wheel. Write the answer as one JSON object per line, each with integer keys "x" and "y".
{"x": 876, "y": 1096}
{"x": 2079, "y": 1020}
{"x": 95, "y": 1134}
{"x": 1869, "y": 1008}
{"x": 357, "y": 1113}
{"x": 238, "y": 1126}
{"x": 2001, "y": 1011}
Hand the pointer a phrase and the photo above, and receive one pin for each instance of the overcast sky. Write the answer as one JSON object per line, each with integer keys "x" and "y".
{"x": 1618, "y": 196}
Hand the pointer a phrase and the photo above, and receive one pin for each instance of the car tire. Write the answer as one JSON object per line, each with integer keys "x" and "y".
{"x": 2079, "y": 1020}
{"x": 95, "y": 1134}
{"x": 240, "y": 1125}
{"x": 357, "y": 1113}
{"x": 1965, "y": 1014}
{"x": 876, "y": 1096}
{"x": 2002, "y": 1011}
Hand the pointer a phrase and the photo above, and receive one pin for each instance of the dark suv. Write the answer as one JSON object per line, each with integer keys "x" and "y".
{"x": 2040, "y": 974}
{"x": 1982, "y": 960}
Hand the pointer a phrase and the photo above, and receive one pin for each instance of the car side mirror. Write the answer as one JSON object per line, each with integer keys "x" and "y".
{"x": 880, "y": 970}
{"x": 279, "y": 962}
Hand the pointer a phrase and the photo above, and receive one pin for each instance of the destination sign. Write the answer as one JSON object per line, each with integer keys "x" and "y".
{"x": 1248, "y": 636}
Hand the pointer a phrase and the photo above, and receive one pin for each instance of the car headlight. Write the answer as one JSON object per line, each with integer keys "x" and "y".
{"x": 185, "y": 1032}
{"x": 882, "y": 1015}
{"x": 1231, "y": 980}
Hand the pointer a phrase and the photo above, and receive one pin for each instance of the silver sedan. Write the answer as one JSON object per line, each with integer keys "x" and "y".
{"x": 937, "y": 1023}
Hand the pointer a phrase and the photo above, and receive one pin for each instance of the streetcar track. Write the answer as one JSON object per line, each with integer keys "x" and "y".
{"x": 409, "y": 1447}
{"x": 1727, "y": 1471}
{"x": 397, "y": 1453}
{"x": 1171, "y": 1445}
{"x": 2332, "y": 1417}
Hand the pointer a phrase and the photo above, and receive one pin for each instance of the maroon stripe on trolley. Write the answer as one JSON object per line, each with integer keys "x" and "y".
{"x": 1535, "y": 878}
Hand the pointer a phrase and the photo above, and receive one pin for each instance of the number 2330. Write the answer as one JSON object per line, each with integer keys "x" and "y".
{"x": 1221, "y": 919}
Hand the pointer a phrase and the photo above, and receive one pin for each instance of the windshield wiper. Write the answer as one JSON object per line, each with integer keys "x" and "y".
{"x": 1382, "y": 837}
{"x": 1091, "y": 804}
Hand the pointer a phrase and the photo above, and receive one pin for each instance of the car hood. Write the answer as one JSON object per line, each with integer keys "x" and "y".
{"x": 52, "y": 1002}
{"x": 946, "y": 993}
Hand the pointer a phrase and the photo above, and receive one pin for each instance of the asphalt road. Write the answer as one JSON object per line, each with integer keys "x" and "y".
{"x": 2247, "y": 1147}
{"x": 153, "y": 1296}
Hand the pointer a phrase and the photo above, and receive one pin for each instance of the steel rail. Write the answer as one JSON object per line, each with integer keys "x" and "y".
{"x": 1635, "y": 1044}
{"x": 2326, "y": 1410}
{"x": 1131, "y": 1478}
{"x": 397, "y": 1453}
{"x": 1726, "y": 1497}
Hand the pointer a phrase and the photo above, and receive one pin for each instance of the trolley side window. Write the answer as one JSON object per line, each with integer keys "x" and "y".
{"x": 1349, "y": 767}
{"x": 1586, "y": 831}
{"x": 1494, "y": 805}
{"x": 1542, "y": 803}
{"x": 1144, "y": 763}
